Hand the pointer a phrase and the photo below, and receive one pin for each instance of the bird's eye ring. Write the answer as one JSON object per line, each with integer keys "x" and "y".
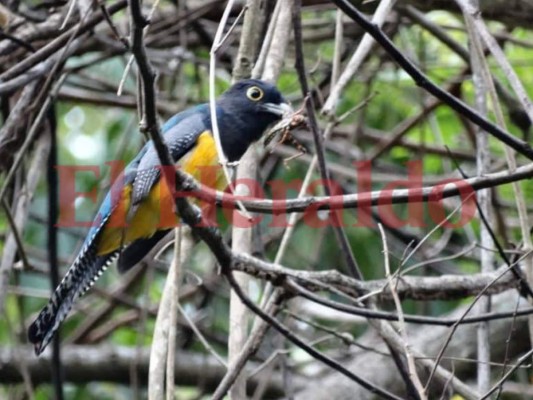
{"x": 254, "y": 93}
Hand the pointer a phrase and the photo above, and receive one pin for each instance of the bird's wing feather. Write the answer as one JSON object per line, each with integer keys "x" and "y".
{"x": 137, "y": 250}
{"x": 180, "y": 137}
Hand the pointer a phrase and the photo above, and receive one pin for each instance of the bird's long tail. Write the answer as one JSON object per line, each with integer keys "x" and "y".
{"x": 85, "y": 270}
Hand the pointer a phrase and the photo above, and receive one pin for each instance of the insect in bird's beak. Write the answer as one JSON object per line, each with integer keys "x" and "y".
{"x": 282, "y": 109}
{"x": 282, "y": 131}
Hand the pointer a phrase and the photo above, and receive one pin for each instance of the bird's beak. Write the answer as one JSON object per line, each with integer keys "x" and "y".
{"x": 281, "y": 109}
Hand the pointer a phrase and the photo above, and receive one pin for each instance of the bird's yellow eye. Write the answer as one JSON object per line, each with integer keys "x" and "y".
{"x": 254, "y": 93}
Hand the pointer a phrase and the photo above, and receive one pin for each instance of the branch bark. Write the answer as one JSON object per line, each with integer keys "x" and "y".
{"x": 84, "y": 364}
{"x": 381, "y": 371}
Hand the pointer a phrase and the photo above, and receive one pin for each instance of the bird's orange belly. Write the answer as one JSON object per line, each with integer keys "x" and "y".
{"x": 156, "y": 211}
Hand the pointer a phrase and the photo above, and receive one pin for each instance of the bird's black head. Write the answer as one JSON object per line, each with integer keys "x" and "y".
{"x": 244, "y": 112}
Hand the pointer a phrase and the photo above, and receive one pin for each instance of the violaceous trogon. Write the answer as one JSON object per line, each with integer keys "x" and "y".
{"x": 243, "y": 113}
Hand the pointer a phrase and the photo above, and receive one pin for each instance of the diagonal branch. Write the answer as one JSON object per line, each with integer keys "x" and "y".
{"x": 423, "y": 80}
{"x": 351, "y": 262}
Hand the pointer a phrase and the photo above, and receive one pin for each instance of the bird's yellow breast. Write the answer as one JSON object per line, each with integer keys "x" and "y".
{"x": 156, "y": 212}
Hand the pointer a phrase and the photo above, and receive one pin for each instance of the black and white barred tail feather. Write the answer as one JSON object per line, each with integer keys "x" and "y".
{"x": 85, "y": 270}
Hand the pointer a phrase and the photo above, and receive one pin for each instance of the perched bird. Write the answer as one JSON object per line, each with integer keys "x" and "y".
{"x": 243, "y": 113}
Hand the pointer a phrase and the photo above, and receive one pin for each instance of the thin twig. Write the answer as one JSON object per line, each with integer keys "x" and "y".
{"x": 347, "y": 252}
{"x": 173, "y": 319}
{"x": 30, "y": 139}
{"x": 242, "y": 237}
{"x": 53, "y": 210}
{"x": 413, "y": 375}
{"x": 218, "y": 41}
{"x": 422, "y": 80}
{"x": 16, "y": 234}
{"x": 253, "y": 341}
{"x": 363, "y": 49}
{"x": 201, "y": 337}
